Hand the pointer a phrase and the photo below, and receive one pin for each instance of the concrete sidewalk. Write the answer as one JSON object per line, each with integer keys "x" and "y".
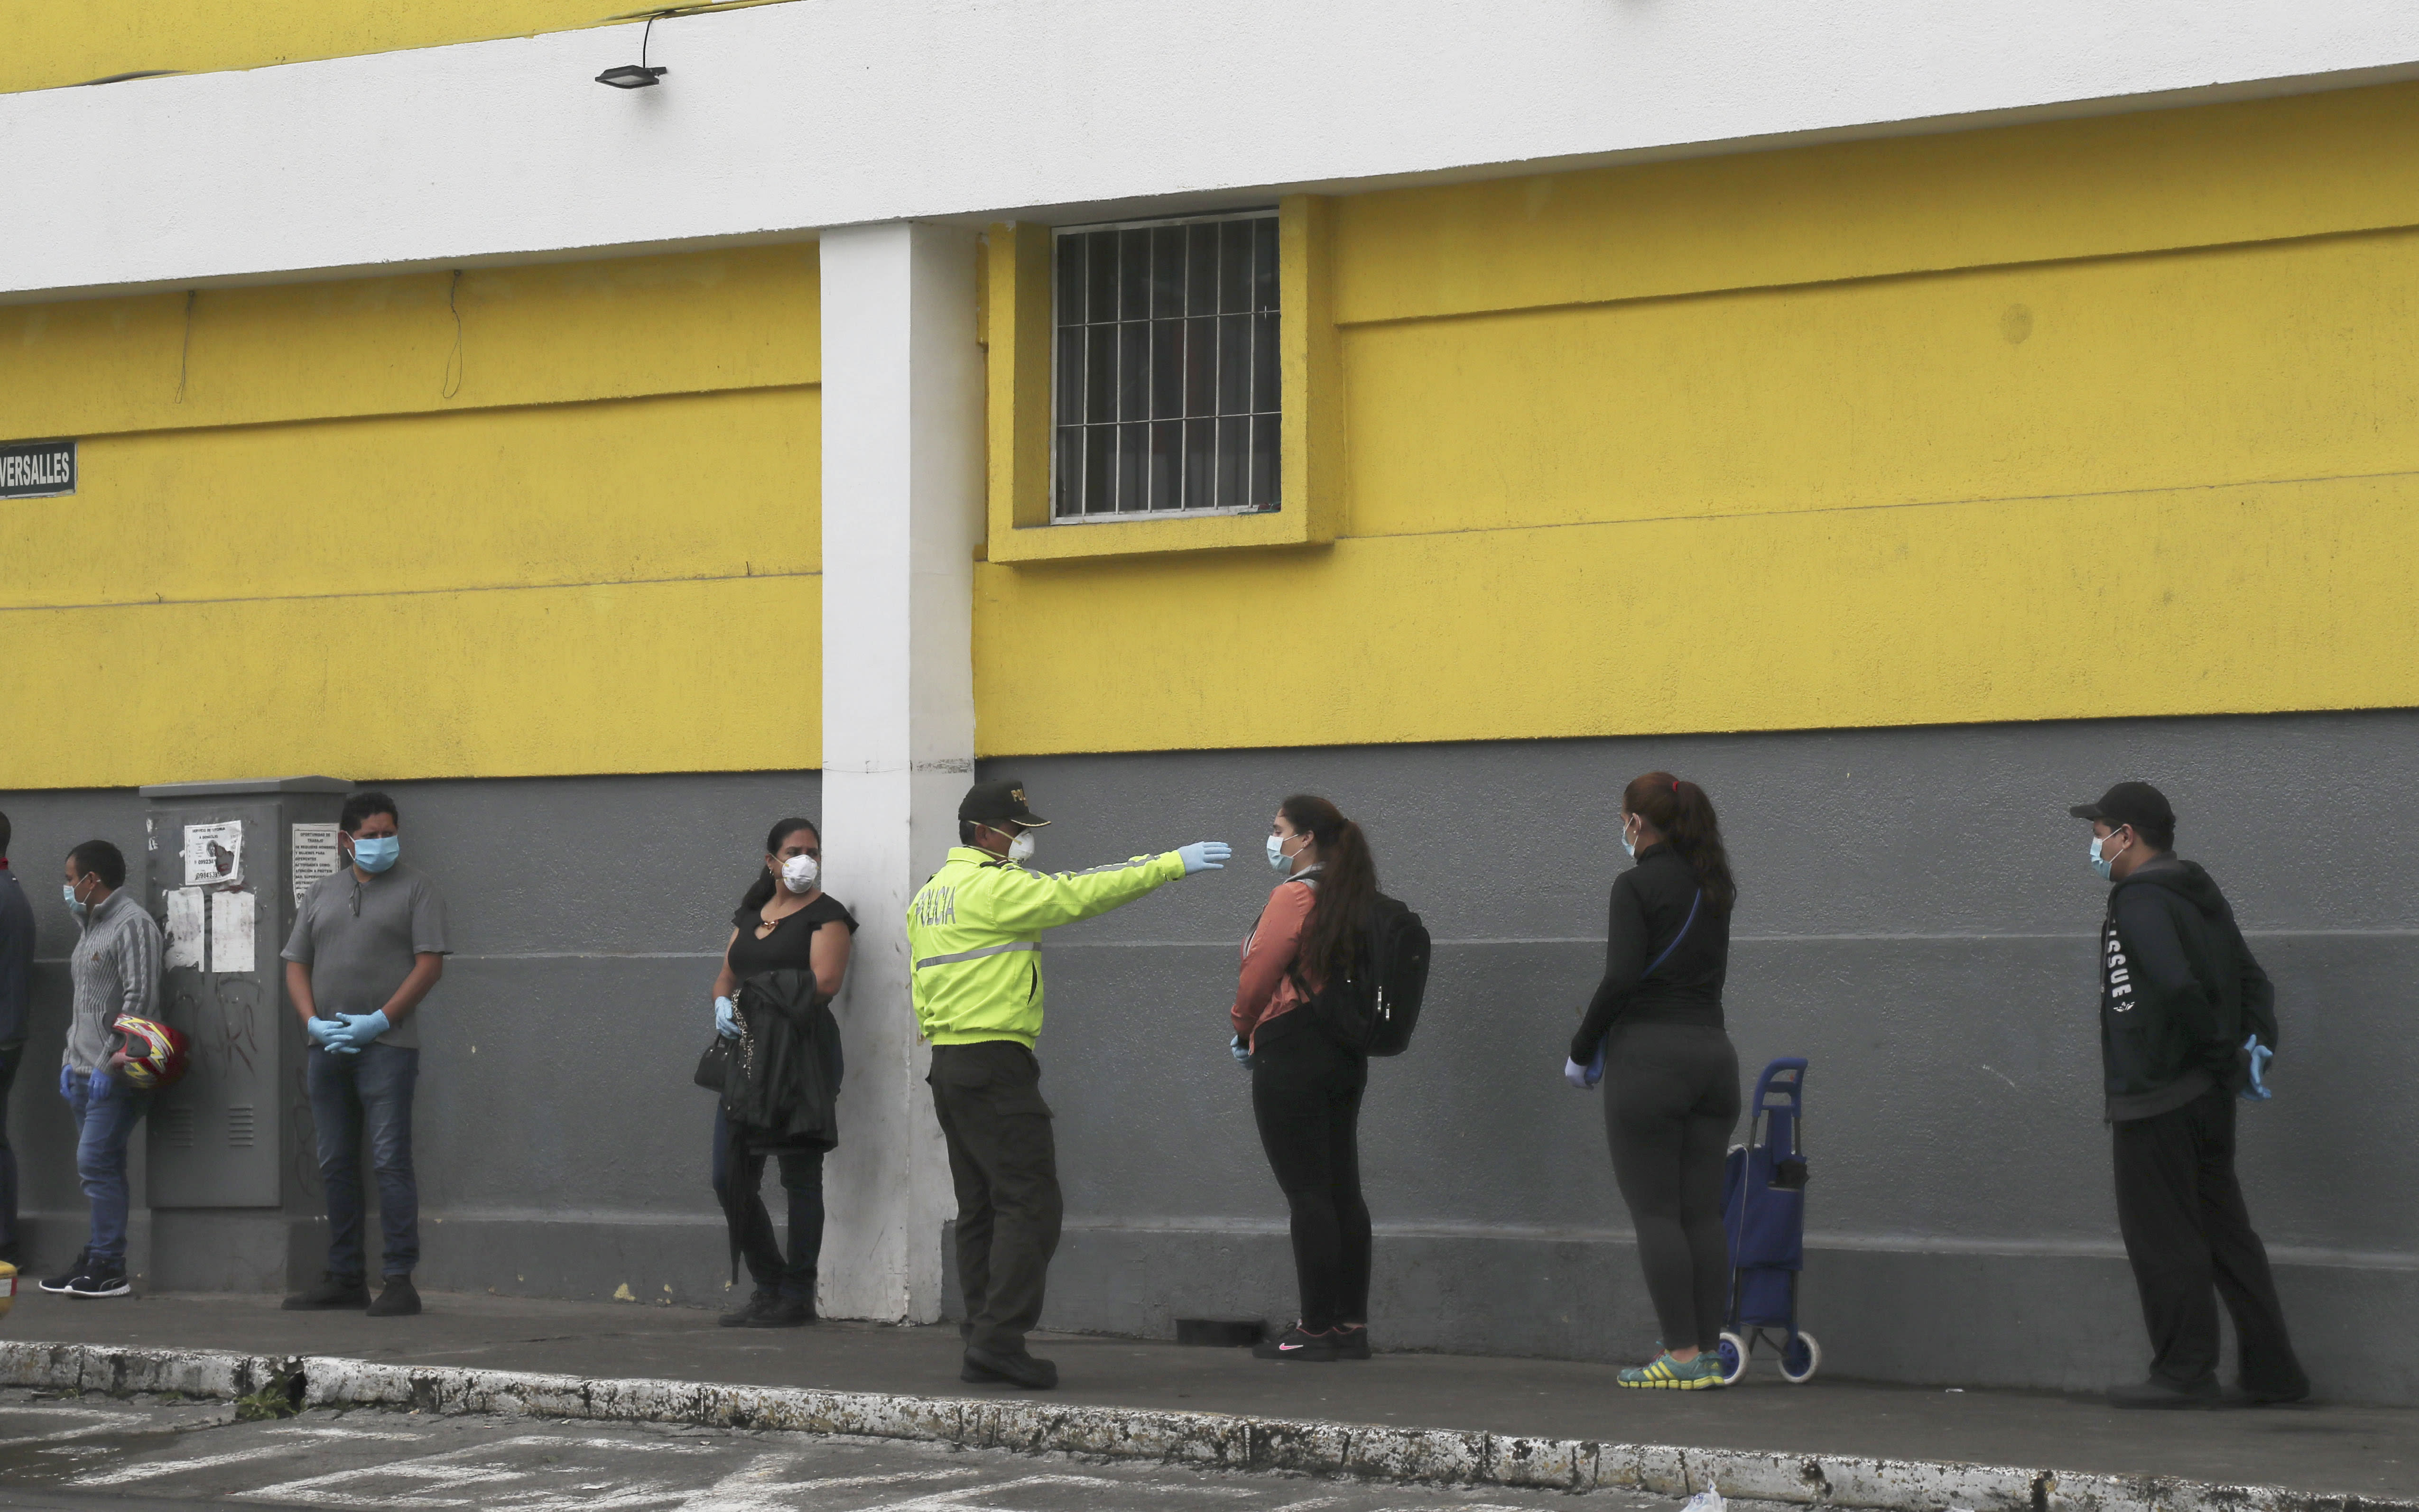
{"x": 2367, "y": 1452}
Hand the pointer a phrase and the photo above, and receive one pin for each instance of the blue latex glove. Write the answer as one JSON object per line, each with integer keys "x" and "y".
{"x": 1576, "y": 1075}
{"x": 1239, "y": 1051}
{"x": 2260, "y": 1055}
{"x": 328, "y": 1033}
{"x": 364, "y": 1028}
{"x": 726, "y": 1019}
{"x": 102, "y": 1084}
{"x": 67, "y": 1082}
{"x": 1205, "y": 856}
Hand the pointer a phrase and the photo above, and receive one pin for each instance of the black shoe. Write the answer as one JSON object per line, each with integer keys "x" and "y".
{"x": 2268, "y": 1396}
{"x": 1352, "y": 1343}
{"x": 783, "y": 1312}
{"x": 60, "y": 1283}
{"x": 101, "y": 1280}
{"x": 330, "y": 1294}
{"x": 1018, "y": 1369}
{"x": 1294, "y": 1344}
{"x": 396, "y": 1299}
{"x": 2157, "y": 1395}
{"x": 757, "y": 1302}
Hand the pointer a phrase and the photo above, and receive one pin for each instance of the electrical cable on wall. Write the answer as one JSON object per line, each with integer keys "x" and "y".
{"x": 454, "y": 359}
{"x": 185, "y": 353}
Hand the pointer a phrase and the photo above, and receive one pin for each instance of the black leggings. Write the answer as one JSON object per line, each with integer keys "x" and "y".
{"x": 1306, "y": 1096}
{"x": 1671, "y": 1101}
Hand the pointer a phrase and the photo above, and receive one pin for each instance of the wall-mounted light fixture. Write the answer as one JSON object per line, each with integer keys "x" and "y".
{"x": 635, "y": 75}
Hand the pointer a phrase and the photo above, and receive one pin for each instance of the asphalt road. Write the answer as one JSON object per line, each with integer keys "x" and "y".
{"x": 101, "y": 1455}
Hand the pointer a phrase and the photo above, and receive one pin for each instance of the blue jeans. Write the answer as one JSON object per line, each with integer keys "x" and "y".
{"x": 105, "y": 1120}
{"x": 738, "y": 1184}
{"x": 349, "y": 1093}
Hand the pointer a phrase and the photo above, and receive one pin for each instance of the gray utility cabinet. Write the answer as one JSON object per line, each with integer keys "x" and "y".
{"x": 233, "y": 1179}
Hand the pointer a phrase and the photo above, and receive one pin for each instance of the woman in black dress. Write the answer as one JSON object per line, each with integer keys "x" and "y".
{"x": 785, "y": 921}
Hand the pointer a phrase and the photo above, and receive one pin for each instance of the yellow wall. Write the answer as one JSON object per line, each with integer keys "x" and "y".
{"x": 357, "y": 544}
{"x": 53, "y": 42}
{"x": 2101, "y": 418}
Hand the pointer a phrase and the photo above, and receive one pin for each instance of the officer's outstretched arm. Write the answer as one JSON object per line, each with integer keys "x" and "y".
{"x": 1021, "y": 902}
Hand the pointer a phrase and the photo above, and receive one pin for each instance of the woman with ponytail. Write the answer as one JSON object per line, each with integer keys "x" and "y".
{"x": 785, "y": 921}
{"x": 1306, "y": 1086}
{"x": 1653, "y": 1034}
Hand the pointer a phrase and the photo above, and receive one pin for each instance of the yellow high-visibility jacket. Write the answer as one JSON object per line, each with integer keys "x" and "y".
{"x": 974, "y": 936}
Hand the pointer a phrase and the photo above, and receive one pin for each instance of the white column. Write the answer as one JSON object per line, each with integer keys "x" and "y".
{"x": 902, "y": 446}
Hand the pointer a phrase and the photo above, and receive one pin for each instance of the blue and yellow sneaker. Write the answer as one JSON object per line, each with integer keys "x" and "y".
{"x": 1704, "y": 1373}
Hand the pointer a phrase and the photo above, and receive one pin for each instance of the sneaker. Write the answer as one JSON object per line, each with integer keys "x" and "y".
{"x": 1296, "y": 1344}
{"x": 1352, "y": 1341}
{"x": 2157, "y": 1395}
{"x": 60, "y": 1283}
{"x": 396, "y": 1299}
{"x": 757, "y": 1302}
{"x": 330, "y": 1294}
{"x": 99, "y": 1279}
{"x": 784, "y": 1312}
{"x": 1704, "y": 1373}
{"x": 1018, "y": 1369}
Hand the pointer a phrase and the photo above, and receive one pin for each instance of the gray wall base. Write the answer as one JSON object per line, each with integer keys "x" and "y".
{"x": 2061, "y": 1322}
{"x": 672, "y": 1260}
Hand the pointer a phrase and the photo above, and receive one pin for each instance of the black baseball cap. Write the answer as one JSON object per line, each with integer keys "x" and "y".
{"x": 999, "y": 801}
{"x": 2136, "y": 804}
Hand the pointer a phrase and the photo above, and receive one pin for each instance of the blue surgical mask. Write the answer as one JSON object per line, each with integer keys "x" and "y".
{"x": 1628, "y": 846}
{"x": 1279, "y": 862}
{"x": 376, "y": 853}
{"x": 2105, "y": 864}
{"x": 76, "y": 905}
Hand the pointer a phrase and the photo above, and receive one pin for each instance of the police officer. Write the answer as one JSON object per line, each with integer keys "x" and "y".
{"x": 974, "y": 933}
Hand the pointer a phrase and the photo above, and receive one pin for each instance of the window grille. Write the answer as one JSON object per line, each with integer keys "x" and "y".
{"x": 1166, "y": 367}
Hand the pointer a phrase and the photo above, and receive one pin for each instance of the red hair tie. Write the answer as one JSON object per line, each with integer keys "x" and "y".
{"x": 1675, "y": 786}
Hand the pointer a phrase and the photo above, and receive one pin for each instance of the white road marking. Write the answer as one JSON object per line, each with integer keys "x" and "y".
{"x": 456, "y": 1469}
{"x": 103, "y": 1422}
{"x": 349, "y": 1433}
{"x": 177, "y": 1467}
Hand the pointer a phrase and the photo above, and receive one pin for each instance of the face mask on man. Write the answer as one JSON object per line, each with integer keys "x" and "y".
{"x": 2104, "y": 863}
{"x": 799, "y": 873}
{"x": 75, "y": 904}
{"x": 375, "y": 853}
{"x": 1020, "y": 848}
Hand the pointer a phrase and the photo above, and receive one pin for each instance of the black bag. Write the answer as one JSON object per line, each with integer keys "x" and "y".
{"x": 713, "y": 1068}
{"x": 1373, "y": 1008}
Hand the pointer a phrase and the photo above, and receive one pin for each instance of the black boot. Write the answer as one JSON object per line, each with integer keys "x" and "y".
{"x": 398, "y": 1298}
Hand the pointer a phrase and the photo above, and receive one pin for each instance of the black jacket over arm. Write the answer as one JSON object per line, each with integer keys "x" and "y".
{"x": 1650, "y": 905}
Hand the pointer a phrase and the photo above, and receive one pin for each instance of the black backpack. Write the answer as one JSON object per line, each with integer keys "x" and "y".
{"x": 1373, "y": 1008}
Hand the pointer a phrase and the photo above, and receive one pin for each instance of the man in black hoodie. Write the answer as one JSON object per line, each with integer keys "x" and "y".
{"x": 2182, "y": 1005}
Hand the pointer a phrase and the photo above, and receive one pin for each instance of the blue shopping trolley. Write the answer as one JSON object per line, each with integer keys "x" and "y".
{"x": 1764, "y": 1213}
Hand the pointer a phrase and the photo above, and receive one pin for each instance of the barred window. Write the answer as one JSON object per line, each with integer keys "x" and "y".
{"x": 1166, "y": 367}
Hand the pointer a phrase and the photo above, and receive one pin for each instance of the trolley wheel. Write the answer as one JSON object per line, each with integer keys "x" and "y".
{"x": 1799, "y": 1359}
{"x": 1734, "y": 1351}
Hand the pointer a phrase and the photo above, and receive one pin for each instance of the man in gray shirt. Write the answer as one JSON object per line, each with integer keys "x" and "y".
{"x": 368, "y": 944}
{"x": 16, "y": 986}
{"x": 116, "y": 970}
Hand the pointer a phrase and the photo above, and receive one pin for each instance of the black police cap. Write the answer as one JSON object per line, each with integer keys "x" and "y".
{"x": 999, "y": 801}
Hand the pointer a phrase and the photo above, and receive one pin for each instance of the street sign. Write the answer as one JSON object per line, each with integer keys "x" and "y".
{"x": 36, "y": 469}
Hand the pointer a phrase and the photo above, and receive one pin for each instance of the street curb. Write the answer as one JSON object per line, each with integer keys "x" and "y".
{"x": 1204, "y": 1439}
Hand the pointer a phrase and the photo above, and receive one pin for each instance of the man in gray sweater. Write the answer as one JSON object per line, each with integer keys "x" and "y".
{"x": 116, "y": 970}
